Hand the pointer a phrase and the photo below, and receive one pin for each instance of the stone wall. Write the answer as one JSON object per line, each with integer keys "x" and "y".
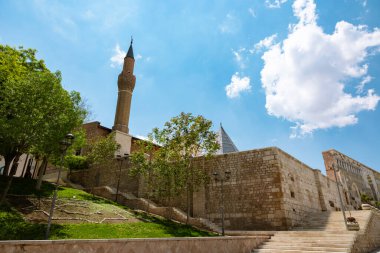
{"x": 368, "y": 239}
{"x": 355, "y": 177}
{"x": 107, "y": 175}
{"x": 236, "y": 244}
{"x": 252, "y": 196}
{"x": 329, "y": 193}
{"x": 268, "y": 189}
{"x": 301, "y": 193}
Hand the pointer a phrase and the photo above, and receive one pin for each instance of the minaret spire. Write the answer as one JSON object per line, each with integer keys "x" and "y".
{"x": 126, "y": 83}
{"x": 130, "y": 50}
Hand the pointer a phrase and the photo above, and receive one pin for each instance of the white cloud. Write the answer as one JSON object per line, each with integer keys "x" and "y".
{"x": 304, "y": 76}
{"x": 304, "y": 10}
{"x": 239, "y": 57}
{"x": 118, "y": 58}
{"x": 238, "y": 85}
{"x": 252, "y": 12}
{"x": 274, "y": 3}
{"x": 265, "y": 43}
{"x": 360, "y": 87}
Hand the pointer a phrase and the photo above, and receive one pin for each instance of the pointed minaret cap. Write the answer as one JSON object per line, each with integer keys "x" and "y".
{"x": 130, "y": 50}
{"x": 225, "y": 142}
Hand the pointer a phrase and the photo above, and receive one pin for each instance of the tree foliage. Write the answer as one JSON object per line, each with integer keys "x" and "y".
{"x": 74, "y": 162}
{"x": 169, "y": 171}
{"x": 102, "y": 150}
{"x": 35, "y": 110}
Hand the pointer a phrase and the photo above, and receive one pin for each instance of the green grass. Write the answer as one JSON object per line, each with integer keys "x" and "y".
{"x": 14, "y": 227}
{"x": 125, "y": 230}
{"x": 22, "y": 186}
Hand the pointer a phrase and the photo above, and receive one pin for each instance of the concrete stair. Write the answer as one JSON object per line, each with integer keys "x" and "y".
{"x": 320, "y": 232}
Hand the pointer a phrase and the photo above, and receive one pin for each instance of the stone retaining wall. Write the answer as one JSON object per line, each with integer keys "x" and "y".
{"x": 236, "y": 244}
{"x": 252, "y": 196}
{"x": 368, "y": 239}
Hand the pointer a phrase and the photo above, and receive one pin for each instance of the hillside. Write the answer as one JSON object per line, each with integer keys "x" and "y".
{"x": 78, "y": 215}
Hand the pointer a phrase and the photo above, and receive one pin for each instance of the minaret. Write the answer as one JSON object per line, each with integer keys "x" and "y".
{"x": 126, "y": 84}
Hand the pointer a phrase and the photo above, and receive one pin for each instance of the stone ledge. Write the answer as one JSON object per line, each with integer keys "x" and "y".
{"x": 226, "y": 244}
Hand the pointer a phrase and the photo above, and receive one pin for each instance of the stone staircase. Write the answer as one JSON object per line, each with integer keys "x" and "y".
{"x": 321, "y": 232}
{"x": 149, "y": 206}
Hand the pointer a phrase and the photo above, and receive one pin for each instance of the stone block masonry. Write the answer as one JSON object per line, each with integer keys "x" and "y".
{"x": 236, "y": 244}
{"x": 252, "y": 196}
{"x": 268, "y": 189}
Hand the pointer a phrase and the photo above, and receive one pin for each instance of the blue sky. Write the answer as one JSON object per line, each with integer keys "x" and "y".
{"x": 301, "y": 75}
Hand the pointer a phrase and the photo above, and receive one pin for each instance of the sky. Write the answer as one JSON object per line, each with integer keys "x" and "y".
{"x": 301, "y": 75}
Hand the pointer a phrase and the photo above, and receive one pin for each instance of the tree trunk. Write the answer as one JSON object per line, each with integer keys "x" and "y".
{"x": 8, "y": 160}
{"x": 188, "y": 204}
{"x": 24, "y": 167}
{"x": 36, "y": 167}
{"x": 41, "y": 172}
{"x": 10, "y": 177}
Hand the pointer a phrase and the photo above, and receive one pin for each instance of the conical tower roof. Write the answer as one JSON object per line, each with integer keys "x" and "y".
{"x": 130, "y": 50}
{"x": 225, "y": 142}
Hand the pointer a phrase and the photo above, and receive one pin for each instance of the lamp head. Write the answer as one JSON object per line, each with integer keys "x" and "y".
{"x": 65, "y": 143}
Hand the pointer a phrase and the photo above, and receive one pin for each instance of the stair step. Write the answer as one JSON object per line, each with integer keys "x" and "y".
{"x": 305, "y": 247}
{"x": 295, "y": 251}
{"x": 310, "y": 244}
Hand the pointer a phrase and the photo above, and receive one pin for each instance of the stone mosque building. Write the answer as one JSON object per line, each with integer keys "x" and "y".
{"x": 268, "y": 189}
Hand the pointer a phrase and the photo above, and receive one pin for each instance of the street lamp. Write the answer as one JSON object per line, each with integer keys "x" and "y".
{"x": 121, "y": 159}
{"x": 222, "y": 179}
{"x": 65, "y": 143}
{"x": 335, "y": 168}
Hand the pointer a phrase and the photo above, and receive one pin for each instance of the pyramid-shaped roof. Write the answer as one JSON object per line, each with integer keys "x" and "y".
{"x": 225, "y": 142}
{"x": 130, "y": 51}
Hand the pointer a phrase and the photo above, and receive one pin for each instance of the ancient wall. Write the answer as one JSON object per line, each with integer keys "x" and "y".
{"x": 355, "y": 177}
{"x": 107, "y": 175}
{"x": 300, "y": 189}
{"x": 329, "y": 193}
{"x": 368, "y": 239}
{"x": 252, "y": 196}
{"x": 267, "y": 190}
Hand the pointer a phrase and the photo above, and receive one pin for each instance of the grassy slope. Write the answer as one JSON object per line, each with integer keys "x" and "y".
{"x": 14, "y": 227}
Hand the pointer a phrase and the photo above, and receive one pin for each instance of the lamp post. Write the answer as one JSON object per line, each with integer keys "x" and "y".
{"x": 340, "y": 196}
{"x": 222, "y": 179}
{"x": 64, "y": 146}
{"x": 121, "y": 159}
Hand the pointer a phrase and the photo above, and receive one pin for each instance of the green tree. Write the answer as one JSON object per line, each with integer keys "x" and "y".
{"x": 171, "y": 166}
{"x": 101, "y": 152}
{"x": 14, "y": 65}
{"x": 35, "y": 110}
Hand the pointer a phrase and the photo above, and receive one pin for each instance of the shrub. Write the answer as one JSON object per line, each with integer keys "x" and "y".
{"x": 76, "y": 162}
{"x": 366, "y": 199}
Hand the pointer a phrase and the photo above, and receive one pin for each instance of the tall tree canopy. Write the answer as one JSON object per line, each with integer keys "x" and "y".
{"x": 170, "y": 170}
{"x": 35, "y": 110}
